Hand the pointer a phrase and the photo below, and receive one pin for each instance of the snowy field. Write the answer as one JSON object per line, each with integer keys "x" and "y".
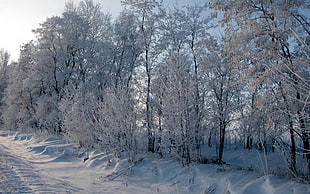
{"x": 30, "y": 164}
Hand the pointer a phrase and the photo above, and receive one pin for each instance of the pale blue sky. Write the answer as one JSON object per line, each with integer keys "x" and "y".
{"x": 19, "y": 17}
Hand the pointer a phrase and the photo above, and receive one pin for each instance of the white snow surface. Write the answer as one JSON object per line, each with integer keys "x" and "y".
{"x": 29, "y": 164}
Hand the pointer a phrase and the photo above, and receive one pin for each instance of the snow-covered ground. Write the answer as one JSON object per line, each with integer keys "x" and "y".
{"x": 30, "y": 164}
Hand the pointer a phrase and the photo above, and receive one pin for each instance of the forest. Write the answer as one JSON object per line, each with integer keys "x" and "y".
{"x": 173, "y": 81}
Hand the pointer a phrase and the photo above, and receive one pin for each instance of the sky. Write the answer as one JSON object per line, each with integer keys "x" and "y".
{"x": 19, "y": 17}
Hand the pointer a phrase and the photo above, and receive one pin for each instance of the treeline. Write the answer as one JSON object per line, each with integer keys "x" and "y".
{"x": 163, "y": 80}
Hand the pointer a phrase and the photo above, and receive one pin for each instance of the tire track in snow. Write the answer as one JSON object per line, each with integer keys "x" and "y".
{"x": 18, "y": 176}
{"x": 10, "y": 181}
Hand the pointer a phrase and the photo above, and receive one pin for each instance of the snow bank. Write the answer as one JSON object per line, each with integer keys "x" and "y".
{"x": 97, "y": 171}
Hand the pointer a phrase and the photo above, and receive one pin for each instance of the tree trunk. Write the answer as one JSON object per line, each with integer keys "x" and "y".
{"x": 150, "y": 132}
{"x": 160, "y": 129}
{"x": 249, "y": 141}
{"x": 197, "y": 99}
{"x": 302, "y": 123}
{"x": 306, "y": 149}
{"x": 291, "y": 129}
{"x": 305, "y": 138}
{"x": 151, "y": 138}
{"x": 222, "y": 141}
{"x": 209, "y": 139}
{"x": 304, "y": 131}
{"x": 293, "y": 149}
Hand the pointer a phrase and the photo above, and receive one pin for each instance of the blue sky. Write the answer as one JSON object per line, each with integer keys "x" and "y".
{"x": 19, "y": 17}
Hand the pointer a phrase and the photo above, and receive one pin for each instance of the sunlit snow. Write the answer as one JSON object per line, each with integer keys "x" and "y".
{"x": 34, "y": 165}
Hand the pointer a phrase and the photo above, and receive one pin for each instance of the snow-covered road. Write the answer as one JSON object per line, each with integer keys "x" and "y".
{"x": 51, "y": 165}
{"x": 10, "y": 179}
{"x": 17, "y": 175}
{"x": 47, "y": 165}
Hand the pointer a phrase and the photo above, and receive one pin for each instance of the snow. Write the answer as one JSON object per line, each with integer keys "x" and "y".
{"x": 30, "y": 164}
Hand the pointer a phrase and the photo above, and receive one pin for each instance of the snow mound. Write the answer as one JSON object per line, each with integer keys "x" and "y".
{"x": 7, "y": 134}
{"x": 55, "y": 149}
{"x": 65, "y": 157}
{"x": 20, "y": 137}
{"x": 36, "y": 149}
{"x": 102, "y": 160}
{"x": 97, "y": 171}
{"x": 52, "y": 139}
{"x": 258, "y": 186}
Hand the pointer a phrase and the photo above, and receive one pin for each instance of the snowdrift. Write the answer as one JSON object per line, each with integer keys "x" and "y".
{"x": 97, "y": 171}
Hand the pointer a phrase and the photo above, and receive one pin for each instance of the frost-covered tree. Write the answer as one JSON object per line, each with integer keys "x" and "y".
{"x": 117, "y": 122}
{"x": 261, "y": 35}
{"x": 71, "y": 56}
{"x": 126, "y": 51}
{"x": 4, "y": 58}
{"x": 147, "y": 14}
{"x": 176, "y": 104}
{"x": 178, "y": 83}
{"x": 111, "y": 59}
{"x": 197, "y": 27}
{"x": 171, "y": 84}
{"x": 4, "y": 61}
{"x": 224, "y": 91}
{"x": 19, "y": 99}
